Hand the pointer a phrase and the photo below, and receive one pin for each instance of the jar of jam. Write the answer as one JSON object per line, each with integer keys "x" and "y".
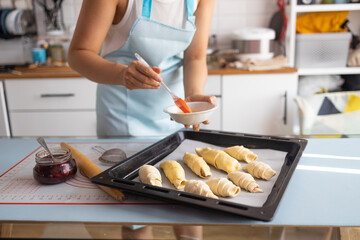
{"x": 57, "y": 170}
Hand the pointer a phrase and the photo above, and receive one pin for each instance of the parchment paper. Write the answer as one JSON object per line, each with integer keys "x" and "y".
{"x": 272, "y": 157}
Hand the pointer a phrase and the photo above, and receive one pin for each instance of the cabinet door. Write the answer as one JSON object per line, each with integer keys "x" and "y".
{"x": 259, "y": 103}
{"x": 213, "y": 87}
{"x": 4, "y": 124}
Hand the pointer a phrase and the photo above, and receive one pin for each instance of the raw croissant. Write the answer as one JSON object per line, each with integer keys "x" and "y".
{"x": 199, "y": 187}
{"x": 245, "y": 181}
{"x": 150, "y": 175}
{"x": 219, "y": 159}
{"x": 174, "y": 172}
{"x": 197, "y": 165}
{"x": 259, "y": 170}
{"x": 223, "y": 187}
{"x": 241, "y": 153}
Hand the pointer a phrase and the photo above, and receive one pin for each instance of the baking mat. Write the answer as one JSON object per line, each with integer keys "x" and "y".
{"x": 17, "y": 185}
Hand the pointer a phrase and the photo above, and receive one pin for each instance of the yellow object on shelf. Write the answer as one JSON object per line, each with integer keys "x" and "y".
{"x": 321, "y": 22}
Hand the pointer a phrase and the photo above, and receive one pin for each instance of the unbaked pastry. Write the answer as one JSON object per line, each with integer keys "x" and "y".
{"x": 174, "y": 172}
{"x": 219, "y": 159}
{"x": 197, "y": 165}
{"x": 245, "y": 181}
{"x": 223, "y": 187}
{"x": 200, "y": 188}
{"x": 259, "y": 170}
{"x": 150, "y": 175}
{"x": 241, "y": 153}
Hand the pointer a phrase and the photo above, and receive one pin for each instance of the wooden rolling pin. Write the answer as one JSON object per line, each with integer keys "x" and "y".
{"x": 91, "y": 170}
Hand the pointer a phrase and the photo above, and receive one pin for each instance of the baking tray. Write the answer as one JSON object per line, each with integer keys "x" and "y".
{"x": 124, "y": 175}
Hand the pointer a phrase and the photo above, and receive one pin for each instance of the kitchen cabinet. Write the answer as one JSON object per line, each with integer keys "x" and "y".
{"x": 213, "y": 88}
{"x": 4, "y": 123}
{"x": 51, "y": 107}
{"x": 259, "y": 103}
{"x": 294, "y": 10}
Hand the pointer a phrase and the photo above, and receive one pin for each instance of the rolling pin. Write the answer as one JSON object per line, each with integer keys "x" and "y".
{"x": 91, "y": 170}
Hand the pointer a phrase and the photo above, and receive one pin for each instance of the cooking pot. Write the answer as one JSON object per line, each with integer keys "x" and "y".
{"x": 253, "y": 43}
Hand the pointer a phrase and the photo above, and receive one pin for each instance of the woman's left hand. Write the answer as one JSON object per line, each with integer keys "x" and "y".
{"x": 200, "y": 98}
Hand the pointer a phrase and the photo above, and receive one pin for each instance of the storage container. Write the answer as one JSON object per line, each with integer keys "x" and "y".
{"x": 322, "y": 50}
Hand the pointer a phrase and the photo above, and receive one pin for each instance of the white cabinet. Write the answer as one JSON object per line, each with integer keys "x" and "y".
{"x": 213, "y": 87}
{"x": 4, "y": 123}
{"x": 51, "y": 107}
{"x": 259, "y": 103}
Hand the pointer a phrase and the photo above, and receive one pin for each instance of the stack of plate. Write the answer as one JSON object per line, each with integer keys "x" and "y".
{"x": 16, "y": 22}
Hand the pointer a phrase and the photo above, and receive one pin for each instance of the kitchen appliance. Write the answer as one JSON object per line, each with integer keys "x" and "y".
{"x": 306, "y": 2}
{"x": 17, "y": 51}
{"x": 253, "y": 43}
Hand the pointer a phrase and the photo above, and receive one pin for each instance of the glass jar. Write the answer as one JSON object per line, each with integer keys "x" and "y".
{"x": 49, "y": 171}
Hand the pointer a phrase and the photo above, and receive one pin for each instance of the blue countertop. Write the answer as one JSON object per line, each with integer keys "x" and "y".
{"x": 323, "y": 191}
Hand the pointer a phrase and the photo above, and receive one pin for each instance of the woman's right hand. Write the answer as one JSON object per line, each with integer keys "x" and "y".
{"x": 139, "y": 76}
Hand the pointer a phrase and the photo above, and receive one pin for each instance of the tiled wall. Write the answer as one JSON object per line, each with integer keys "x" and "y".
{"x": 228, "y": 16}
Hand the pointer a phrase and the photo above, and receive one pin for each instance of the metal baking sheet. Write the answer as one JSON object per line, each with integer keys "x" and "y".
{"x": 282, "y": 154}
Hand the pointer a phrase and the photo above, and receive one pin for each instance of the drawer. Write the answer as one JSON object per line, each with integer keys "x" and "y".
{"x": 82, "y": 123}
{"x": 213, "y": 85}
{"x": 57, "y": 93}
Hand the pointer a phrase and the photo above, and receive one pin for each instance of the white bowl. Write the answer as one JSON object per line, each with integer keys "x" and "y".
{"x": 201, "y": 111}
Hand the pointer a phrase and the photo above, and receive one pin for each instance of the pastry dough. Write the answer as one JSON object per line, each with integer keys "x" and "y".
{"x": 197, "y": 165}
{"x": 223, "y": 187}
{"x": 200, "y": 188}
{"x": 259, "y": 170}
{"x": 174, "y": 172}
{"x": 245, "y": 181}
{"x": 219, "y": 159}
{"x": 241, "y": 153}
{"x": 150, "y": 175}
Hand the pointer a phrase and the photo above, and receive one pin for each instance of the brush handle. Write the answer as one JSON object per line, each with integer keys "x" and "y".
{"x": 140, "y": 59}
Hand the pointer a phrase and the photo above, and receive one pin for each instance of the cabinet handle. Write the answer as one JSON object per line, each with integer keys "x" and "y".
{"x": 48, "y": 95}
{"x": 285, "y": 108}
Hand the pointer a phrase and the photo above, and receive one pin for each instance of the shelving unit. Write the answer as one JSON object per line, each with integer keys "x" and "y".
{"x": 292, "y": 10}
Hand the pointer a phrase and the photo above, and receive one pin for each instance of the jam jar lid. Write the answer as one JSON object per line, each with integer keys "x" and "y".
{"x": 61, "y": 155}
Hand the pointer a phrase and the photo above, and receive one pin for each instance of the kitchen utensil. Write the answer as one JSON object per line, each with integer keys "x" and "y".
{"x": 110, "y": 156}
{"x": 178, "y": 101}
{"x": 201, "y": 112}
{"x": 91, "y": 170}
{"x": 279, "y": 21}
{"x": 42, "y": 142}
{"x": 124, "y": 175}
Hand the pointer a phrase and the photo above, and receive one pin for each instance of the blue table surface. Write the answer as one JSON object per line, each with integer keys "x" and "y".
{"x": 323, "y": 191}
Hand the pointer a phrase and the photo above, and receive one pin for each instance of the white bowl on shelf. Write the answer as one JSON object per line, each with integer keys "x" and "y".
{"x": 201, "y": 111}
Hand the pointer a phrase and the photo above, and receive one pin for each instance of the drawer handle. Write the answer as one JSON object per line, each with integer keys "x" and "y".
{"x": 47, "y": 95}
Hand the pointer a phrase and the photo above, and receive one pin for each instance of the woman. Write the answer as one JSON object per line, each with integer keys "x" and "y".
{"x": 169, "y": 34}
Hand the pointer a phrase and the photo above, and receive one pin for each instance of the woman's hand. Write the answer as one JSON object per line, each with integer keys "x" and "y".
{"x": 139, "y": 76}
{"x": 200, "y": 98}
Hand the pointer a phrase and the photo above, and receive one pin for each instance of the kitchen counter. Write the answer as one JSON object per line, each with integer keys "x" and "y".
{"x": 64, "y": 72}
{"x": 322, "y": 192}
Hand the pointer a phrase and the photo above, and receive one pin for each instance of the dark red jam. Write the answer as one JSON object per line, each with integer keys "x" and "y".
{"x": 57, "y": 170}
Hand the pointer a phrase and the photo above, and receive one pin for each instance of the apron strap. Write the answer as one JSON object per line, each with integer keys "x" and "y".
{"x": 146, "y": 9}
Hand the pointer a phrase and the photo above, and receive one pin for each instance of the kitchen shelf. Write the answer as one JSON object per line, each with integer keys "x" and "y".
{"x": 327, "y": 7}
{"x": 328, "y": 71}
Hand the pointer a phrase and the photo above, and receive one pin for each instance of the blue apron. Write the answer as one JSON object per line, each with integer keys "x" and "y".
{"x": 121, "y": 112}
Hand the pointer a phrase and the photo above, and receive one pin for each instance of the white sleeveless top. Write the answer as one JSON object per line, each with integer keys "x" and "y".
{"x": 164, "y": 11}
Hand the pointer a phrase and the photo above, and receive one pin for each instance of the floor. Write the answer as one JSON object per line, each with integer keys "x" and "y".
{"x": 160, "y": 232}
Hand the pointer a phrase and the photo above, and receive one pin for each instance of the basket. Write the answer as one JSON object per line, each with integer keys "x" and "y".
{"x": 322, "y": 50}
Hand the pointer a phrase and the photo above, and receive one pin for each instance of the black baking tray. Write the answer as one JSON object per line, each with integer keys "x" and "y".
{"x": 121, "y": 175}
